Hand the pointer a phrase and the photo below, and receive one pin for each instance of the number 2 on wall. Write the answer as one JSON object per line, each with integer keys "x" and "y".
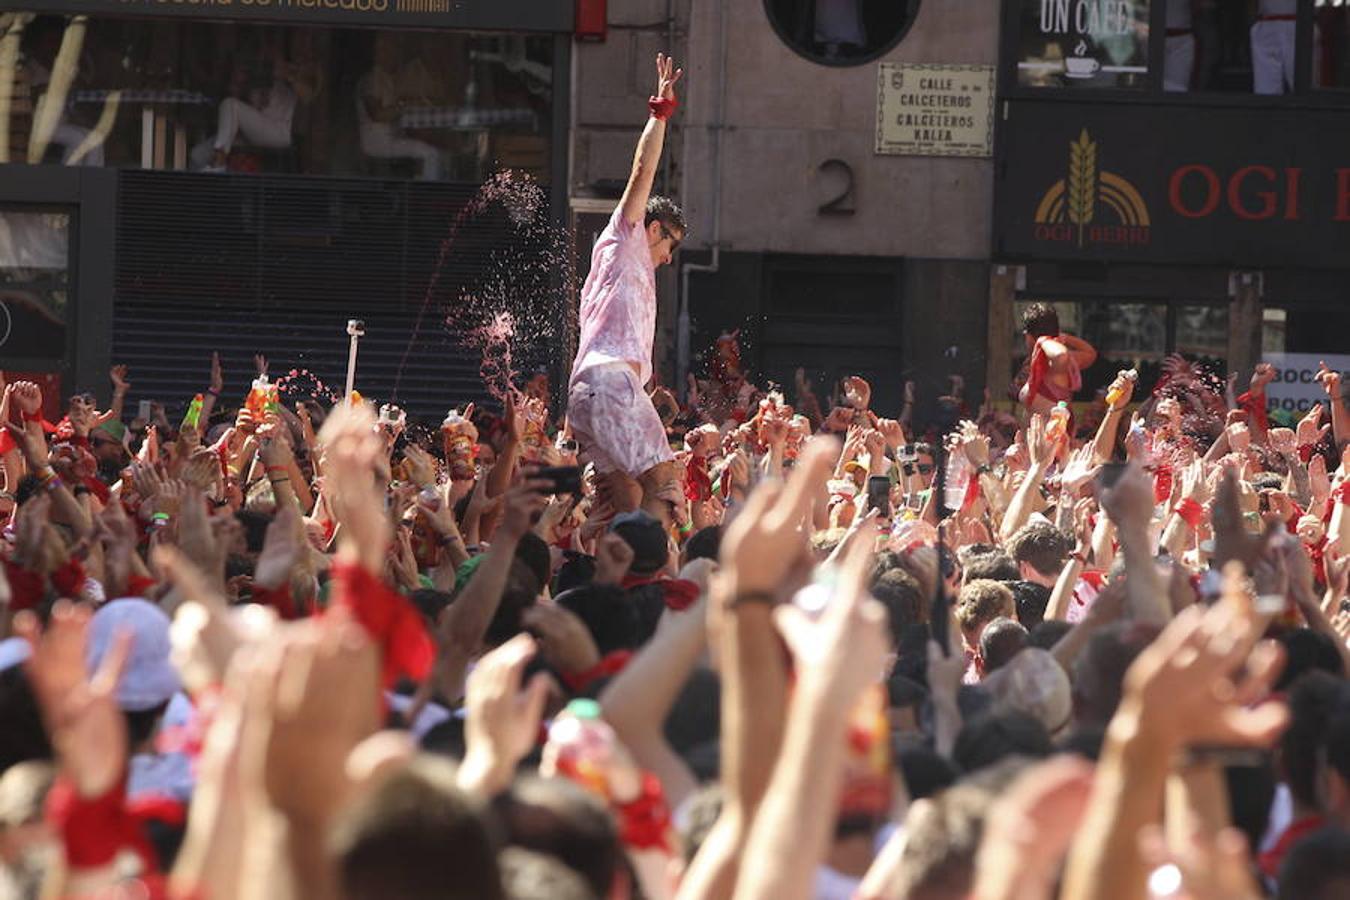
{"x": 843, "y": 204}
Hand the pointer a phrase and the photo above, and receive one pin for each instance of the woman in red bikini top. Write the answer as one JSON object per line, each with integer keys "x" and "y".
{"x": 1057, "y": 360}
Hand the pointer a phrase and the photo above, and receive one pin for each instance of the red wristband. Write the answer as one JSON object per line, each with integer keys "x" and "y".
{"x": 644, "y": 824}
{"x": 1342, "y": 493}
{"x": 662, "y": 108}
{"x": 1191, "y": 512}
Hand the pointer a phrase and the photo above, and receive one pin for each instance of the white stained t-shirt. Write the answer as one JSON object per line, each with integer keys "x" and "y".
{"x": 618, "y": 301}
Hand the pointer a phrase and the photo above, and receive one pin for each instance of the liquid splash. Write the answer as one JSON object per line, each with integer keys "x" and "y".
{"x": 520, "y": 312}
{"x": 301, "y": 383}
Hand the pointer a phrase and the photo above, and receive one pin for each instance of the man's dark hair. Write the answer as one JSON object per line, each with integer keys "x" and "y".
{"x": 1048, "y": 633}
{"x": 1040, "y": 319}
{"x": 533, "y": 552}
{"x": 558, "y": 818}
{"x": 1317, "y": 867}
{"x": 1312, "y": 701}
{"x": 611, "y": 620}
{"x": 1042, "y": 545}
{"x": 1099, "y": 674}
{"x": 1031, "y": 600}
{"x": 1306, "y": 650}
{"x": 705, "y": 544}
{"x": 521, "y": 592}
{"x": 529, "y": 875}
{"x": 255, "y": 528}
{"x": 1001, "y": 640}
{"x": 141, "y": 724}
{"x": 926, "y": 772}
{"x": 903, "y": 598}
{"x": 695, "y": 717}
{"x": 578, "y": 570}
{"x": 993, "y": 737}
{"x": 24, "y": 737}
{"x": 996, "y": 566}
{"x": 667, "y": 212}
{"x": 416, "y": 835}
{"x": 1251, "y": 790}
{"x": 646, "y": 536}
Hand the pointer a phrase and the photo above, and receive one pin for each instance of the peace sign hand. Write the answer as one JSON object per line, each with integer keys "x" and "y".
{"x": 666, "y": 76}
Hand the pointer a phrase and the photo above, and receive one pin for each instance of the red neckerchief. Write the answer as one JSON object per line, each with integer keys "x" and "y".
{"x": 611, "y": 664}
{"x": 1162, "y": 482}
{"x": 392, "y": 622}
{"x": 679, "y": 593}
{"x": 1269, "y": 862}
{"x": 7, "y": 443}
{"x": 697, "y": 481}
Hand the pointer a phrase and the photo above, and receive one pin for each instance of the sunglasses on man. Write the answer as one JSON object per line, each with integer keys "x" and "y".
{"x": 666, "y": 233}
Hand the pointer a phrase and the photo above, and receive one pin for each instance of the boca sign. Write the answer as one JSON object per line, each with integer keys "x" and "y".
{"x": 1170, "y": 184}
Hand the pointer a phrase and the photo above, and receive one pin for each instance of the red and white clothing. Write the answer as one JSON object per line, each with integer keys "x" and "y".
{"x": 615, "y": 425}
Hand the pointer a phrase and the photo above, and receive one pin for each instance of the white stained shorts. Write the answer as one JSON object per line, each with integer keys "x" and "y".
{"x": 614, "y": 422}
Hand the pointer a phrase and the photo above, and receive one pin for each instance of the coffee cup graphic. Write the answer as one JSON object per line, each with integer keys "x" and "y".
{"x": 1081, "y": 66}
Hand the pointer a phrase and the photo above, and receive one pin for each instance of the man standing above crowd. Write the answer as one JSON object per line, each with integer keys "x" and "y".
{"x": 614, "y": 422}
{"x": 1057, "y": 360}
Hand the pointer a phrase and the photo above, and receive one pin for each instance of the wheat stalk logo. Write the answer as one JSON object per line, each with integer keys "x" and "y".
{"x": 1082, "y": 182}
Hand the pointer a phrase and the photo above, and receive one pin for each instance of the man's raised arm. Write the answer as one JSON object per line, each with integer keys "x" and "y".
{"x": 648, "y": 156}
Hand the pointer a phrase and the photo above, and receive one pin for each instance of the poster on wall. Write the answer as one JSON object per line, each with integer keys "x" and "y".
{"x": 1083, "y": 44}
{"x": 935, "y": 110}
{"x": 1295, "y": 388}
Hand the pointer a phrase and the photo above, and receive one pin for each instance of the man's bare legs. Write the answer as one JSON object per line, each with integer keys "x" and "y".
{"x": 662, "y": 493}
{"x": 619, "y": 491}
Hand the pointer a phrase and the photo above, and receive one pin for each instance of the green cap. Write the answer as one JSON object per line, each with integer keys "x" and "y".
{"x": 584, "y": 709}
{"x": 114, "y": 429}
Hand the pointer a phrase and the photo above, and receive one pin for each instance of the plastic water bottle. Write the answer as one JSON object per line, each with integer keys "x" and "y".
{"x": 455, "y": 431}
{"x": 1059, "y": 422}
{"x": 580, "y": 741}
{"x": 956, "y": 481}
{"x": 194, "y": 412}
{"x": 1115, "y": 393}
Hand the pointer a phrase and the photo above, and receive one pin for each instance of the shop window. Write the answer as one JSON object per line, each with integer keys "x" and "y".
{"x": 841, "y": 32}
{"x": 34, "y": 285}
{"x": 430, "y": 105}
{"x": 1083, "y": 44}
{"x": 1139, "y": 335}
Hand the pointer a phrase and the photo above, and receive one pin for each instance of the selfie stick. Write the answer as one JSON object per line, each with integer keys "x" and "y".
{"x": 940, "y": 607}
{"x": 356, "y": 329}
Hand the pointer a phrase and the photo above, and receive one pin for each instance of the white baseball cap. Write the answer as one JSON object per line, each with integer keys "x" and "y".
{"x": 149, "y": 679}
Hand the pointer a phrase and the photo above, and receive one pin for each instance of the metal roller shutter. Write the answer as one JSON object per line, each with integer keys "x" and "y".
{"x": 247, "y": 264}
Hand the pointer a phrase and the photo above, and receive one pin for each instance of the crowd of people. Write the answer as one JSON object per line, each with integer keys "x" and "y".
{"x": 741, "y": 645}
